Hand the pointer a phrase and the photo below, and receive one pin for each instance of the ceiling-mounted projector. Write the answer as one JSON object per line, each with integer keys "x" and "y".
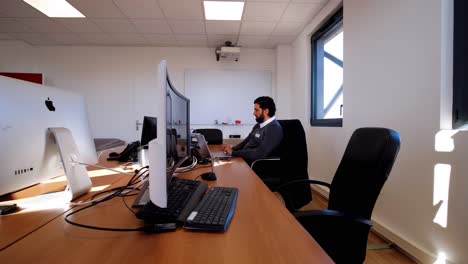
{"x": 228, "y": 51}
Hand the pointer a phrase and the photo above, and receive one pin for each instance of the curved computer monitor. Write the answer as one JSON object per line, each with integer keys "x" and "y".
{"x": 29, "y": 153}
{"x": 172, "y": 145}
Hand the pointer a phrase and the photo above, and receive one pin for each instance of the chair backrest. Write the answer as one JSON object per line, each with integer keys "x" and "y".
{"x": 364, "y": 168}
{"x": 294, "y": 160}
{"x": 213, "y": 136}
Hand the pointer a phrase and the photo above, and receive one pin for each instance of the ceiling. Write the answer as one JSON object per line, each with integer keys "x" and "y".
{"x": 176, "y": 23}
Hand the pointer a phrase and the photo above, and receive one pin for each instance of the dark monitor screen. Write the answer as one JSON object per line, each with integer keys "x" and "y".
{"x": 149, "y": 130}
{"x": 177, "y": 126}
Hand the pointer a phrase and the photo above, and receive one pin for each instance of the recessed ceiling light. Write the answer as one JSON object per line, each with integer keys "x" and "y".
{"x": 218, "y": 10}
{"x": 55, "y": 8}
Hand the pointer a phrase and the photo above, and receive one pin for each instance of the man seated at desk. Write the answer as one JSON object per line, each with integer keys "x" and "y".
{"x": 265, "y": 137}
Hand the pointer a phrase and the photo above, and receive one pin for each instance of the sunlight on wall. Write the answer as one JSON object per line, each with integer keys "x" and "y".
{"x": 441, "y": 258}
{"x": 441, "y": 192}
{"x": 444, "y": 140}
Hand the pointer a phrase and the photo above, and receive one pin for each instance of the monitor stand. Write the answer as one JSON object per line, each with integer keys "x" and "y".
{"x": 77, "y": 176}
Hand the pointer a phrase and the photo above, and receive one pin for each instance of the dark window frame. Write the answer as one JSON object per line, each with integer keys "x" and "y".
{"x": 460, "y": 56}
{"x": 328, "y": 28}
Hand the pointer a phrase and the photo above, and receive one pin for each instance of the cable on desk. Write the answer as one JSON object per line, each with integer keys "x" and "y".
{"x": 139, "y": 178}
{"x": 189, "y": 167}
{"x": 126, "y": 205}
{"x": 120, "y": 192}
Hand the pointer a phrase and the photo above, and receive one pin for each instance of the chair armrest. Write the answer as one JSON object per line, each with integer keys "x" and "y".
{"x": 309, "y": 181}
{"x": 261, "y": 162}
{"x": 332, "y": 214}
{"x": 269, "y": 171}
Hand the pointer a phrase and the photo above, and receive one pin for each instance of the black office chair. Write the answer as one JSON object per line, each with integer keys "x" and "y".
{"x": 212, "y": 136}
{"x": 288, "y": 163}
{"x": 343, "y": 229}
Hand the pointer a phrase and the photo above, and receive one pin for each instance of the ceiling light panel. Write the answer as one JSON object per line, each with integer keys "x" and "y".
{"x": 219, "y": 10}
{"x": 55, "y": 8}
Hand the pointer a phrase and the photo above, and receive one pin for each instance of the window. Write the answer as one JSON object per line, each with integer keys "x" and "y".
{"x": 460, "y": 56}
{"x": 327, "y": 73}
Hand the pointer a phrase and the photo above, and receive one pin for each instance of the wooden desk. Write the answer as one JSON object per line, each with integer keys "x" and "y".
{"x": 261, "y": 231}
{"x": 42, "y": 203}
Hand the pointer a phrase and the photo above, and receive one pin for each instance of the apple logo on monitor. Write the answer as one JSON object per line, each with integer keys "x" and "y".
{"x": 49, "y": 104}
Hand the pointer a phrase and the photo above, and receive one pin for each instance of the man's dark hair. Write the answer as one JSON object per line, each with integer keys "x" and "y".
{"x": 266, "y": 102}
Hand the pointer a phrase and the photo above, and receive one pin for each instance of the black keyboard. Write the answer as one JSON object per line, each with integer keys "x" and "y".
{"x": 214, "y": 212}
{"x": 183, "y": 197}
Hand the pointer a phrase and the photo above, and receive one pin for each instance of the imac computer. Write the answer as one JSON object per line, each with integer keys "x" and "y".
{"x": 29, "y": 151}
{"x": 172, "y": 146}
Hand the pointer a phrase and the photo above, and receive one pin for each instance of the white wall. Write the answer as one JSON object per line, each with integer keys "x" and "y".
{"x": 283, "y": 81}
{"x": 119, "y": 82}
{"x": 396, "y": 75}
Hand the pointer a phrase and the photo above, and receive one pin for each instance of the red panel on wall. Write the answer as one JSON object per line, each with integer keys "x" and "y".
{"x": 30, "y": 77}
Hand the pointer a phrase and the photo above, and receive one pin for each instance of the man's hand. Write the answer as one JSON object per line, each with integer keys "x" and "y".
{"x": 227, "y": 148}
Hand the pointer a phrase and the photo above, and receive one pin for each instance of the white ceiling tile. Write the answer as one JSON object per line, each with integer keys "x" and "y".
{"x": 18, "y": 8}
{"x": 32, "y": 38}
{"x": 182, "y": 9}
{"x": 158, "y": 23}
{"x": 114, "y": 25}
{"x": 161, "y": 40}
{"x": 79, "y": 25}
{"x": 274, "y": 41}
{"x": 321, "y": 2}
{"x": 187, "y": 26}
{"x": 97, "y": 39}
{"x": 257, "y": 28}
{"x": 253, "y": 41}
{"x": 97, "y": 8}
{"x": 4, "y": 36}
{"x": 140, "y": 8}
{"x": 300, "y": 12}
{"x": 284, "y": 1}
{"x": 64, "y": 39}
{"x": 219, "y": 40}
{"x": 256, "y": 11}
{"x": 13, "y": 25}
{"x": 152, "y": 26}
{"x": 222, "y": 27}
{"x": 288, "y": 28}
{"x": 191, "y": 40}
{"x": 43, "y": 25}
{"x": 129, "y": 39}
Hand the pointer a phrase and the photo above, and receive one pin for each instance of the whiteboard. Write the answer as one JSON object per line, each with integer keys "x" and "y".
{"x": 225, "y": 95}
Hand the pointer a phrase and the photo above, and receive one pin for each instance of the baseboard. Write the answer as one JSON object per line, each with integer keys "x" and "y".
{"x": 322, "y": 191}
{"x": 413, "y": 251}
{"x": 410, "y": 249}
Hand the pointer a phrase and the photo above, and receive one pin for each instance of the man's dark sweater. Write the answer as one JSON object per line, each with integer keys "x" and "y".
{"x": 260, "y": 143}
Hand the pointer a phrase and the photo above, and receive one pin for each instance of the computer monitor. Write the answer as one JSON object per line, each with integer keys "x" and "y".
{"x": 172, "y": 146}
{"x": 29, "y": 153}
{"x": 177, "y": 121}
{"x": 149, "y": 130}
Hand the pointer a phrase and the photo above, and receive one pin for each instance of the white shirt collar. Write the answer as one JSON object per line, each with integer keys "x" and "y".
{"x": 262, "y": 125}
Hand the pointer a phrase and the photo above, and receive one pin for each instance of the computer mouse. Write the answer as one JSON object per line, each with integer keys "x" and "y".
{"x": 113, "y": 154}
{"x": 209, "y": 176}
